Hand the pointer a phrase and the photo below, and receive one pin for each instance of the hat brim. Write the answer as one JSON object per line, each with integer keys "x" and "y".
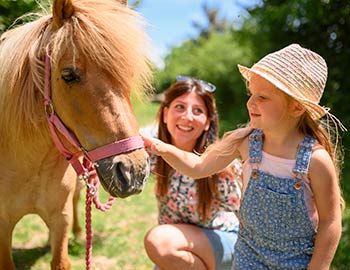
{"x": 316, "y": 111}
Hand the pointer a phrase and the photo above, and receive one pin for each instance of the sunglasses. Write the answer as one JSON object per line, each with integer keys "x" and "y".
{"x": 206, "y": 85}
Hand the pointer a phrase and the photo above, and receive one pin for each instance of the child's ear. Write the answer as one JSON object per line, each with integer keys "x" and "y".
{"x": 297, "y": 109}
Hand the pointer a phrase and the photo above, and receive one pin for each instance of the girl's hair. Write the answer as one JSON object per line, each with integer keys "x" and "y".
{"x": 206, "y": 186}
{"x": 325, "y": 135}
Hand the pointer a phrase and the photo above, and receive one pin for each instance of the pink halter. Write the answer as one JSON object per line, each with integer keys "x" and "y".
{"x": 55, "y": 123}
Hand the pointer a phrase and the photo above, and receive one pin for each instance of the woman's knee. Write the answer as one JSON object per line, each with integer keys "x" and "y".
{"x": 157, "y": 241}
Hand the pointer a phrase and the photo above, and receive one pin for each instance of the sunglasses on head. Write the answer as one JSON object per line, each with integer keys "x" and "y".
{"x": 206, "y": 85}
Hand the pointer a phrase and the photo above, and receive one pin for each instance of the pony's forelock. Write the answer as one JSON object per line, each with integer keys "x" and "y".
{"x": 112, "y": 36}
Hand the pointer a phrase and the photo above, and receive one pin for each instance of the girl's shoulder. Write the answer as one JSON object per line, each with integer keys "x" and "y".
{"x": 321, "y": 163}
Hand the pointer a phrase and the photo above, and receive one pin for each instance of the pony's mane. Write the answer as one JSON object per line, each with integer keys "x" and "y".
{"x": 107, "y": 33}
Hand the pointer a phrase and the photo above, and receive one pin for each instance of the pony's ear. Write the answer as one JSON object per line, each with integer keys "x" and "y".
{"x": 123, "y": 2}
{"x": 61, "y": 10}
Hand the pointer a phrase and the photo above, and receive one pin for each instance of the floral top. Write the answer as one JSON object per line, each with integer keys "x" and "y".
{"x": 180, "y": 203}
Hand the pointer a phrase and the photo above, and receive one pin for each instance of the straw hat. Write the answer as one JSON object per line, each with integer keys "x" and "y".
{"x": 299, "y": 72}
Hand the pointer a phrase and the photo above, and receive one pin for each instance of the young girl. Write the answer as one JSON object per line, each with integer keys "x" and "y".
{"x": 290, "y": 213}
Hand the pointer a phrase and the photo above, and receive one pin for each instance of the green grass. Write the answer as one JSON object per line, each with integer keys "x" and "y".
{"x": 117, "y": 236}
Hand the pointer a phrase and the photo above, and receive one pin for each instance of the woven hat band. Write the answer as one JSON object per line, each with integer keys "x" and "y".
{"x": 303, "y": 71}
{"x": 292, "y": 87}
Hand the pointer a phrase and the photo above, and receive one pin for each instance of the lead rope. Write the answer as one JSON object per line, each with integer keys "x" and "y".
{"x": 92, "y": 195}
{"x": 88, "y": 231}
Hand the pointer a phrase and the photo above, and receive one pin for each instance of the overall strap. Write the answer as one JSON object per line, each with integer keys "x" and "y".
{"x": 255, "y": 146}
{"x": 302, "y": 162}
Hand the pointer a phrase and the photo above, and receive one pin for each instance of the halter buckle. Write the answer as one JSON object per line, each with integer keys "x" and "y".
{"x": 49, "y": 110}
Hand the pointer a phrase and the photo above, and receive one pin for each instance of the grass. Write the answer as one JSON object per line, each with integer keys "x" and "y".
{"x": 117, "y": 236}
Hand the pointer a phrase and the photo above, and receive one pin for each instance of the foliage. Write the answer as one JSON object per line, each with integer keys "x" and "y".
{"x": 215, "y": 24}
{"x": 10, "y": 10}
{"x": 214, "y": 59}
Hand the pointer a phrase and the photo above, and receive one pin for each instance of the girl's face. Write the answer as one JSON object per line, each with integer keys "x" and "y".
{"x": 186, "y": 119}
{"x": 267, "y": 105}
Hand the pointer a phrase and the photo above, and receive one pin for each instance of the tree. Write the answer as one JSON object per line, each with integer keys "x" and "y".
{"x": 214, "y": 23}
{"x": 11, "y": 10}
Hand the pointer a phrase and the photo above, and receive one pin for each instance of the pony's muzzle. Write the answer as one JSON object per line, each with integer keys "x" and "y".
{"x": 124, "y": 175}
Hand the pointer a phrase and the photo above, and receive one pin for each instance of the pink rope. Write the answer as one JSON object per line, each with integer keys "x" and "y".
{"x": 92, "y": 195}
{"x": 88, "y": 231}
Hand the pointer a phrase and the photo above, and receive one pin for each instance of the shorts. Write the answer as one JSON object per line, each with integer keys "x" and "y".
{"x": 222, "y": 244}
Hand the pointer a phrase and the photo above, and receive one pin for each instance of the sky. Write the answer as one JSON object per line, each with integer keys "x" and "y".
{"x": 170, "y": 21}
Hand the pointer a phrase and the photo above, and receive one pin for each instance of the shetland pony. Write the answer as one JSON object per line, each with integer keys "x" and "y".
{"x": 97, "y": 53}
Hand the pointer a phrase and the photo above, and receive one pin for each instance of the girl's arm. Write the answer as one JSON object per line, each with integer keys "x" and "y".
{"x": 324, "y": 183}
{"x": 194, "y": 166}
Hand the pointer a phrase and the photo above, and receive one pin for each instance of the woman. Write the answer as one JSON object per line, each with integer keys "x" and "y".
{"x": 197, "y": 225}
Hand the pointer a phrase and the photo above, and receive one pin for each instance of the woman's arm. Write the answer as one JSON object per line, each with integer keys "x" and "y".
{"x": 324, "y": 184}
{"x": 194, "y": 166}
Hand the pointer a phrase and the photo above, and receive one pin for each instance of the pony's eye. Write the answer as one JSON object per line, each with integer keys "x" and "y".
{"x": 70, "y": 75}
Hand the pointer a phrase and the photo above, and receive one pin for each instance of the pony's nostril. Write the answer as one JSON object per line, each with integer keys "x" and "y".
{"x": 121, "y": 177}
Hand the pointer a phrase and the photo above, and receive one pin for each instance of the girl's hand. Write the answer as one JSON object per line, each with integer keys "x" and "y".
{"x": 153, "y": 144}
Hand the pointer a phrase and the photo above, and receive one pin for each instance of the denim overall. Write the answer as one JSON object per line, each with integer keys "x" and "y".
{"x": 276, "y": 231}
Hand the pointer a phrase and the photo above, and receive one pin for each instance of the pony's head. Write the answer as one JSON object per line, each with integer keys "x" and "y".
{"x": 98, "y": 54}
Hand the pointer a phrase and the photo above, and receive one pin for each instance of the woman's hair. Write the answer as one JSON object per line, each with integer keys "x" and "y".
{"x": 206, "y": 186}
{"x": 323, "y": 133}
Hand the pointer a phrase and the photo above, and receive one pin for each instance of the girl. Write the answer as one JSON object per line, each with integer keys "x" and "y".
{"x": 290, "y": 214}
{"x": 197, "y": 227}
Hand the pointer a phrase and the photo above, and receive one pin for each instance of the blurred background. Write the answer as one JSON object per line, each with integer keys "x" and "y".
{"x": 207, "y": 39}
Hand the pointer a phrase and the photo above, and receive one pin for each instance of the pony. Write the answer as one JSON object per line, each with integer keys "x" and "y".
{"x": 88, "y": 55}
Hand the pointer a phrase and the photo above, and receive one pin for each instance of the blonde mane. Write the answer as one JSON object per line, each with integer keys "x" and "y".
{"x": 107, "y": 33}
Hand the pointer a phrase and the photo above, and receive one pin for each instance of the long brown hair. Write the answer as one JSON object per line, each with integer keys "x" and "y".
{"x": 206, "y": 186}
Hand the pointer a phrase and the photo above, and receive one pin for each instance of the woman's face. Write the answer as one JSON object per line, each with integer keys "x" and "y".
{"x": 186, "y": 118}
